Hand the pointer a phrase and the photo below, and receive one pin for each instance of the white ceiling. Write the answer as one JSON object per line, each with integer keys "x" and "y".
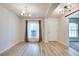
{"x": 74, "y": 15}
{"x": 35, "y": 9}
{"x": 59, "y": 12}
{"x": 39, "y": 9}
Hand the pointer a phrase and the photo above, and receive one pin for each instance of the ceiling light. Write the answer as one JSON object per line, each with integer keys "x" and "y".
{"x": 25, "y": 12}
{"x": 22, "y": 13}
{"x": 29, "y": 15}
{"x": 61, "y": 11}
{"x": 69, "y": 7}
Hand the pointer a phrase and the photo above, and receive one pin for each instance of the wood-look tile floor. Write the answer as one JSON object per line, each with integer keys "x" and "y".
{"x": 40, "y": 49}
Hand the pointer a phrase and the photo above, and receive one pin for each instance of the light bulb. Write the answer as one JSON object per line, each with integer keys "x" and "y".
{"x": 29, "y": 15}
{"x": 22, "y": 13}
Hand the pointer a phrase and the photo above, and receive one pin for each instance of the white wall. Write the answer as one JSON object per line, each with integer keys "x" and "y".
{"x": 23, "y": 29}
{"x": 9, "y": 28}
{"x": 56, "y": 29}
{"x": 63, "y": 27}
{"x": 63, "y": 31}
{"x": 51, "y": 29}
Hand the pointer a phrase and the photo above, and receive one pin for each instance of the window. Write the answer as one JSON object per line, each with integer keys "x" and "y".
{"x": 33, "y": 29}
{"x": 73, "y": 30}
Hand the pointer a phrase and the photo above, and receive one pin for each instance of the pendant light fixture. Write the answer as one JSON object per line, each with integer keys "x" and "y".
{"x": 25, "y": 12}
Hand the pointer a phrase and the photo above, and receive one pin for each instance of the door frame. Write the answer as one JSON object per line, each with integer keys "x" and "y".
{"x": 68, "y": 24}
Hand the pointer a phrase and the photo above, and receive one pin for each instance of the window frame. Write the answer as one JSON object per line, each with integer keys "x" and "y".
{"x": 75, "y": 30}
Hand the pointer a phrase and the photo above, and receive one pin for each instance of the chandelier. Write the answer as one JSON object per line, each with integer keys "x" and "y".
{"x": 24, "y": 12}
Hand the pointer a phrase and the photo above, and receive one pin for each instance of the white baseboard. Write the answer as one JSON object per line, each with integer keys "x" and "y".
{"x": 9, "y": 47}
{"x": 46, "y": 41}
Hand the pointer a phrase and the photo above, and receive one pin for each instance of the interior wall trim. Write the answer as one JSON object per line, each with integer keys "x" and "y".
{"x": 9, "y": 47}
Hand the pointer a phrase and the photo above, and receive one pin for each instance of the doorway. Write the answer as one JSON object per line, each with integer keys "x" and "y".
{"x": 74, "y": 31}
{"x": 33, "y": 31}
